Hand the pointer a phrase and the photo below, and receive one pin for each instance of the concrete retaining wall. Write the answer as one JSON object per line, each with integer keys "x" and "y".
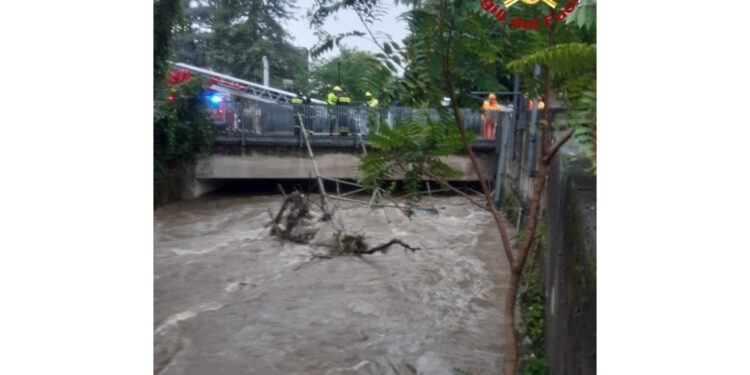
{"x": 568, "y": 265}
{"x": 569, "y": 269}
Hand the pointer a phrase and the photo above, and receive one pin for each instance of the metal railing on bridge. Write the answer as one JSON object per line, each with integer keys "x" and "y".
{"x": 515, "y": 135}
{"x": 254, "y": 118}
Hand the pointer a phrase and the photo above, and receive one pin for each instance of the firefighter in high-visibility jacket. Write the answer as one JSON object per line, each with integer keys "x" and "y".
{"x": 343, "y": 102}
{"x": 332, "y": 100}
{"x": 373, "y": 114}
{"x": 333, "y": 95}
{"x": 370, "y": 100}
{"x": 300, "y": 111}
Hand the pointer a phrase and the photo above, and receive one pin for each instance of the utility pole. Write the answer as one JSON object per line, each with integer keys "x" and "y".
{"x": 265, "y": 72}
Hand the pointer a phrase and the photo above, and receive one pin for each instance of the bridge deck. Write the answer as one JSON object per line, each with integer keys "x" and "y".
{"x": 349, "y": 141}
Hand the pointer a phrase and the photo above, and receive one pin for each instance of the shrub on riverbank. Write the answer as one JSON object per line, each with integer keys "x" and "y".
{"x": 183, "y": 133}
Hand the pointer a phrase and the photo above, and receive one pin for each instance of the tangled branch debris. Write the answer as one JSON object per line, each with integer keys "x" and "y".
{"x": 297, "y": 223}
{"x": 291, "y": 221}
{"x": 356, "y": 245}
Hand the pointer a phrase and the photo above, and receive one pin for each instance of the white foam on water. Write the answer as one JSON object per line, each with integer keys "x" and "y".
{"x": 234, "y": 286}
{"x": 172, "y": 320}
{"x": 177, "y": 251}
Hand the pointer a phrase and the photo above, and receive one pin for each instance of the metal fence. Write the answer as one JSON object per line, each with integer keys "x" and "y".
{"x": 518, "y": 149}
{"x": 283, "y": 119}
{"x": 515, "y": 133}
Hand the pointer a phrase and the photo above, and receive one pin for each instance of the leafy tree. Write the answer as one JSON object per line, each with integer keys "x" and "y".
{"x": 360, "y": 72}
{"x": 413, "y": 148}
{"x": 232, "y": 36}
{"x": 183, "y": 132}
{"x": 167, "y": 16}
{"x": 491, "y": 43}
{"x": 193, "y": 42}
{"x": 585, "y": 16}
{"x": 583, "y": 119}
{"x": 574, "y": 64}
{"x": 574, "y": 67}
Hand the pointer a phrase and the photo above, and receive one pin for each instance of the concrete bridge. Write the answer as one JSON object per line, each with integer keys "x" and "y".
{"x": 260, "y": 141}
{"x": 281, "y": 157}
{"x": 258, "y": 134}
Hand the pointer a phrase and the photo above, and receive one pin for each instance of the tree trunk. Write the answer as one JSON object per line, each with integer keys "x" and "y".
{"x": 546, "y": 152}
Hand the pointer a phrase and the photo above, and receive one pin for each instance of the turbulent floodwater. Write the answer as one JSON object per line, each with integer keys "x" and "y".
{"x": 232, "y": 299}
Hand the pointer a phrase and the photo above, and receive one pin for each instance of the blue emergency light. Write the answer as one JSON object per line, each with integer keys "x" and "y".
{"x": 215, "y": 98}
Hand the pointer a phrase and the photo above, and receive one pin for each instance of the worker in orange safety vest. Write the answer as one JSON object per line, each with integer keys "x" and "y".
{"x": 539, "y": 104}
{"x": 490, "y": 115}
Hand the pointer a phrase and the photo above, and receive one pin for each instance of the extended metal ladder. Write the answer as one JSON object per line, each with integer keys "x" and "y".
{"x": 239, "y": 87}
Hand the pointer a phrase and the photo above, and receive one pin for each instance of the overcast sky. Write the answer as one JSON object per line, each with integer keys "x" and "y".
{"x": 345, "y": 21}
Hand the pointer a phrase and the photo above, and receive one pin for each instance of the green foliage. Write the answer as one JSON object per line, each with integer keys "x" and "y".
{"x": 411, "y": 148}
{"x": 541, "y": 233}
{"x": 574, "y": 64}
{"x": 583, "y": 119}
{"x": 328, "y": 41}
{"x": 531, "y": 298}
{"x": 564, "y": 59}
{"x": 572, "y": 88}
{"x": 535, "y": 366}
{"x": 183, "y": 132}
{"x": 533, "y": 318}
{"x": 391, "y": 58}
{"x": 360, "y": 72}
{"x": 585, "y": 15}
{"x": 458, "y": 371}
{"x": 167, "y": 16}
{"x": 472, "y": 43}
{"x": 232, "y": 36}
{"x": 368, "y": 11}
{"x": 510, "y": 207}
{"x": 451, "y": 36}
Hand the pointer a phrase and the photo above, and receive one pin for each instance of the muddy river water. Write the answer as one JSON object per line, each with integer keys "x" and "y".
{"x": 229, "y": 298}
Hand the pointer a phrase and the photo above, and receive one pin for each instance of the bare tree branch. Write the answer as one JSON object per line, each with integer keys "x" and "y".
{"x": 384, "y": 247}
{"x": 375, "y": 40}
{"x": 555, "y": 147}
{"x": 475, "y": 165}
{"x": 453, "y": 189}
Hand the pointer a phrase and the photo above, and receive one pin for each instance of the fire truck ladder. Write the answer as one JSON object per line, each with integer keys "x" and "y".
{"x": 246, "y": 89}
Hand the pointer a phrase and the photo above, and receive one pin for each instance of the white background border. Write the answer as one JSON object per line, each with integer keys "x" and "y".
{"x": 77, "y": 232}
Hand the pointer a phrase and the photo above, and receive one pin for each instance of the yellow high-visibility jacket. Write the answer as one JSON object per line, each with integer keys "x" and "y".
{"x": 332, "y": 98}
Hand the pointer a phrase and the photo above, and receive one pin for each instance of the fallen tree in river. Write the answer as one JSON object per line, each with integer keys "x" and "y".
{"x": 296, "y": 222}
